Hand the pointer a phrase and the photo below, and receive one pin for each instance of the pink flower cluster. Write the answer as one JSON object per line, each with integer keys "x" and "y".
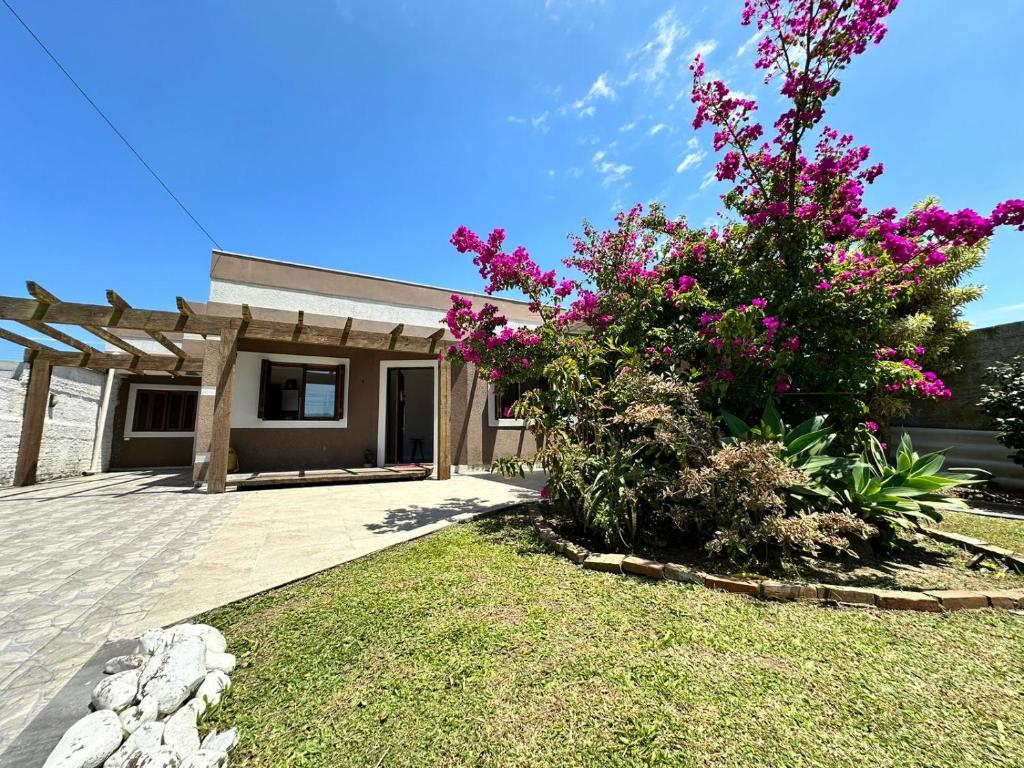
{"x": 746, "y": 336}
{"x": 502, "y": 270}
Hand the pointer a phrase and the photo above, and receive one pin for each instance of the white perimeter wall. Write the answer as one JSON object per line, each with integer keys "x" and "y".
{"x": 70, "y": 426}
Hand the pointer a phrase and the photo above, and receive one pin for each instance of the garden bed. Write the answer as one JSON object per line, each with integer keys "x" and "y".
{"x": 474, "y": 647}
{"x": 926, "y": 565}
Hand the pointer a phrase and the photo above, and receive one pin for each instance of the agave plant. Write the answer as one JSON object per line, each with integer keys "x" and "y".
{"x": 804, "y": 447}
{"x": 904, "y": 496}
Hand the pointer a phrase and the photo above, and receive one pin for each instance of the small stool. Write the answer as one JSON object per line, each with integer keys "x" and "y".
{"x": 417, "y": 445}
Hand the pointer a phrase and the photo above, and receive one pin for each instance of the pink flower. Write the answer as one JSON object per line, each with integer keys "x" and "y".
{"x": 871, "y": 425}
{"x": 759, "y": 303}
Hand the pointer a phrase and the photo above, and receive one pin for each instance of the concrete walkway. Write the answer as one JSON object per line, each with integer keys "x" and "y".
{"x": 87, "y": 561}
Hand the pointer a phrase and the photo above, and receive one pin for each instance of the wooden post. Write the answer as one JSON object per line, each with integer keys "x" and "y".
{"x": 36, "y": 400}
{"x": 220, "y": 435}
{"x": 444, "y": 420}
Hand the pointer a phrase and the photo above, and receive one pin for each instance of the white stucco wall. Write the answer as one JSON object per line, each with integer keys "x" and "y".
{"x": 70, "y": 426}
{"x": 230, "y": 292}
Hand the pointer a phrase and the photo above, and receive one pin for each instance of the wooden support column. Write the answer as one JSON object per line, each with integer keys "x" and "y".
{"x": 220, "y": 436}
{"x": 36, "y": 401}
{"x": 444, "y": 420}
{"x": 218, "y": 360}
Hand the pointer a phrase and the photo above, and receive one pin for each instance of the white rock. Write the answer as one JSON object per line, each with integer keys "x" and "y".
{"x": 88, "y": 742}
{"x": 159, "y": 757}
{"x": 145, "y": 711}
{"x": 152, "y": 642}
{"x": 123, "y": 663}
{"x": 224, "y": 741}
{"x": 117, "y": 691}
{"x": 148, "y": 737}
{"x": 212, "y": 688}
{"x": 206, "y": 758}
{"x": 180, "y": 731}
{"x": 211, "y": 636}
{"x": 174, "y": 674}
{"x": 225, "y": 662}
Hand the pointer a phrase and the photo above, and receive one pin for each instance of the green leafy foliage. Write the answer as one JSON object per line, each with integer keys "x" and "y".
{"x": 890, "y": 498}
{"x": 903, "y": 496}
{"x": 1003, "y": 401}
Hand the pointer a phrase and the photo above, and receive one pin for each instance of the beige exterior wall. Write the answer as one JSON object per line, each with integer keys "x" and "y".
{"x": 136, "y": 452}
{"x": 474, "y": 443}
{"x": 287, "y": 288}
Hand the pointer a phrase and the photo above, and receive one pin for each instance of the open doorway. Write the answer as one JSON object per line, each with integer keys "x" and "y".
{"x": 409, "y": 419}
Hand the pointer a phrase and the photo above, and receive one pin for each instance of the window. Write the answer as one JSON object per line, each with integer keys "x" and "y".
{"x": 301, "y": 392}
{"x": 500, "y": 402}
{"x": 164, "y": 410}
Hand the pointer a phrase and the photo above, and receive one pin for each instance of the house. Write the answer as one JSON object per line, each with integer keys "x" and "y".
{"x": 296, "y": 368}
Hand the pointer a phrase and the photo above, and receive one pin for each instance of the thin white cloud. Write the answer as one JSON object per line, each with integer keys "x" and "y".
{"x": 691, "y": 160}
{"x": 601, "y": 89}
{"x": 610, "y": 170}
{"x": 613, "y": 172}
{"x": 650, "y": 60}
{"x": 703, "y": 49}
{"x": 627, "y": 127}
{"x": 708, "y": 180}
{"x": 656, "y": 129}
{"x": 745, "y": 46}
{"x": 538, "y": 122}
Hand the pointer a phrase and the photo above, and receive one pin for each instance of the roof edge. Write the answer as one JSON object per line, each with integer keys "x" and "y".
{"x": 216, "y": 252}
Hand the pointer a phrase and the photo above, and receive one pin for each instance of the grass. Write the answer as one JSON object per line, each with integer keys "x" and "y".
{"x": 475, "y": 647}
{"x": 995, "y": 530}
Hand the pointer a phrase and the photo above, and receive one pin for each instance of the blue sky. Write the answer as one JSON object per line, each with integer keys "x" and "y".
{"x": 359, "y": 135}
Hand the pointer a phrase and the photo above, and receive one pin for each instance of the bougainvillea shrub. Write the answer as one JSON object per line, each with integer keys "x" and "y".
{"x": 802, "y": 294}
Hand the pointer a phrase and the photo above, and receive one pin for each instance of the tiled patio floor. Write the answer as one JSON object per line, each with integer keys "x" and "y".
{"x": 90, "y": 560}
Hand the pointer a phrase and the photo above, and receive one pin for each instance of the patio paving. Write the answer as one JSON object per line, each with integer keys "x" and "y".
{"x": 88, "y": 561}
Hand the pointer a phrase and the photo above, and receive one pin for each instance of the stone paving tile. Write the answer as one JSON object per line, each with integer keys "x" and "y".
{"x": 81, "y": 562}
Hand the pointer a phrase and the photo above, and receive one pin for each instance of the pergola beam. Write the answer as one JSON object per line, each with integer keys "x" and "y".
{"x": 60, "y": 336}
{"x": 106, "y": 360}
{"x": 120, "y": 305}
{"x": 435, "y": 338}
{"x": 15, "y": 338}
{"x": 37, "y": 398}
{"x": 90, "y": 316}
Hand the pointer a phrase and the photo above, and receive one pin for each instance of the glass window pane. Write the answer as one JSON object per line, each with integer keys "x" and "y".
{"x": 321, "y": 387}
{"x": 282, "y": 394}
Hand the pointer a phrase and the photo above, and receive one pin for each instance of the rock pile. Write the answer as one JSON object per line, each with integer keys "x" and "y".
{"x": 146, "y": 709}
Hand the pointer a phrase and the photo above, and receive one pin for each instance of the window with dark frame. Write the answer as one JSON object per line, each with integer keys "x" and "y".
{"x": 301, "y": 392}
{"x": 164, "y": 410}
{"x": 507, "y": 396}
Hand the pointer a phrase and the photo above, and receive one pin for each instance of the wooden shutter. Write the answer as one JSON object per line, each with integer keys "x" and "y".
{"x": 261, "y": 408}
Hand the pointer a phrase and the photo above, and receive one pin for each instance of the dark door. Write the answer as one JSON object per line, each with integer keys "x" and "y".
{"x": 395, "y": 423}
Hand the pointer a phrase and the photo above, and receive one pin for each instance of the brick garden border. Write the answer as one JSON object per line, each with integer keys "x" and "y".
{"x": 933, "y": 601}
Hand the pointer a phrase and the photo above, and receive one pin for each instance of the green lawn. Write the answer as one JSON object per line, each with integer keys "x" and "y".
{"x": 475, "y": 647}
{"x": 994, "y": 530}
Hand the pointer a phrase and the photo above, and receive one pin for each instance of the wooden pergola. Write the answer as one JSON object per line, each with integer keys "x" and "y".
{"x": 216, "y": 330}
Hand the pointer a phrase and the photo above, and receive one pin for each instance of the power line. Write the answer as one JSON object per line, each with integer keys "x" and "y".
{"x": 112, "y": 126}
